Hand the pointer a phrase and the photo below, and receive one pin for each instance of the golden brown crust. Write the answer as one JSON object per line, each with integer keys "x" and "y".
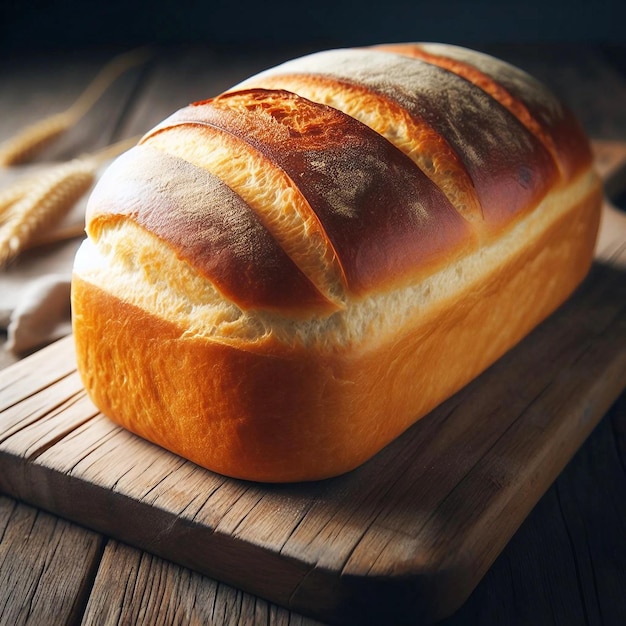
{"x": 223, "y": 241}
{"x": 383, "y": 217}
{"x": 545, "y": 116}
{"x": 286, "y": 413}
{"x": 419, "y": 141}
{"x": 509, "y": 167}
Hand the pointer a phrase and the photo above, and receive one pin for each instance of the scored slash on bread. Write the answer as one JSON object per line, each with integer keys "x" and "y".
{"x": 346, "y": 172}
{"x": 280, "y": 280}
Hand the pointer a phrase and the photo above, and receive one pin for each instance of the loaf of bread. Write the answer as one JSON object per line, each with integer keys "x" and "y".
{"x": 279, "y": 281}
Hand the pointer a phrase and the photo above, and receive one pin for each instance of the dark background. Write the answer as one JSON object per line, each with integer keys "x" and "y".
{"x": 247, "y": 24}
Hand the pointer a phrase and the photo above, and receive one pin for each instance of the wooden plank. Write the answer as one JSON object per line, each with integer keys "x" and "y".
{"x": 155, "y": 592}
{"x": 32, "y": 591}
{"x": 587, "y": 522}
{"x": 28, "y": 377}
{"x": 565, "y": 564}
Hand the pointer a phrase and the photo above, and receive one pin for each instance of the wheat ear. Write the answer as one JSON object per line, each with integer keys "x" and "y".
{"x": 48, "y": 199}
{"x": 33, "y": 203}
{"x": 14, "y": 192}
{"x": 28, "y": 142}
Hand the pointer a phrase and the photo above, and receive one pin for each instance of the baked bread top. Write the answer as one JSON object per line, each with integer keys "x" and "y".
{"x": 341, "y": 176}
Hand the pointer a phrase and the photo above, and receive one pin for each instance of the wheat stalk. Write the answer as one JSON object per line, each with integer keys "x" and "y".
{"x": 33, "y": 203}
{"x": 29, "y": 141}
{"x": 47, "y": 201}
{"x": 11, "y": 194}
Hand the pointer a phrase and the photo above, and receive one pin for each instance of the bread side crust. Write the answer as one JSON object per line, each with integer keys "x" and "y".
{"x": 278, "y": 411}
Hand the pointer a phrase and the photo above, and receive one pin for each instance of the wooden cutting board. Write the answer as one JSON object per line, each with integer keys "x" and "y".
{"x": 407, "y": 536}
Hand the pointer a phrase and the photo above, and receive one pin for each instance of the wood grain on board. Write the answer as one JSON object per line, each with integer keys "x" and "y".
{"x": 45, "y": 545}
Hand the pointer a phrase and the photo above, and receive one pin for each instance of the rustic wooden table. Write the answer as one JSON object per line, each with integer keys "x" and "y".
{"x": 566, "y": 564}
